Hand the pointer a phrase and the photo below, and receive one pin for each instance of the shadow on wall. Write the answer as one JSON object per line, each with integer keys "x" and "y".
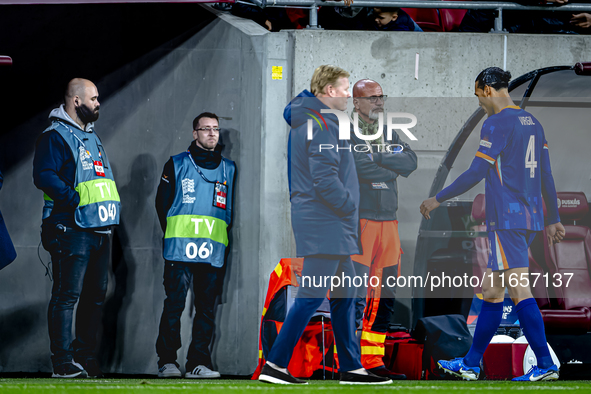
{"x": 227, "y": 136}
{"x": 26, "y": 318}
{"x": 230, "y": 152}
{"x": 126, "y": 77}
{"x": 31, "y": 38}
{"x": 136, "y": 195}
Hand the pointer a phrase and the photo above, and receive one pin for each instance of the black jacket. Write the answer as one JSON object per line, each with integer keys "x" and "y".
{"x": 377, "y": 173}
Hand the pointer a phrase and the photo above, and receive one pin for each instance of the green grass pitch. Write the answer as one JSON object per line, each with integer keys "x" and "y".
{"x": 145, "y": 386}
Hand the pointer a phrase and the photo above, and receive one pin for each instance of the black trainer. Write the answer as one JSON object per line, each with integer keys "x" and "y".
{"x": 91, "y": 366}
{"x": 69, "y": 371}
{"x": 385, "y": 372}
{"x": 271, "y": 375}
{"x": 370, "y": 378}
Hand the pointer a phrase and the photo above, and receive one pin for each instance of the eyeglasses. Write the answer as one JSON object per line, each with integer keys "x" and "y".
{"x": 374, "y": 99}
{"x": 208, "y": 129}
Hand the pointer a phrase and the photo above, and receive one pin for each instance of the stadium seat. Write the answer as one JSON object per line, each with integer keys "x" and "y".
{"x": 427, "y": 18}
{"x": 451, "y": 18}
{"x": 537, "y": 283}
{"x": 571, "y": 256}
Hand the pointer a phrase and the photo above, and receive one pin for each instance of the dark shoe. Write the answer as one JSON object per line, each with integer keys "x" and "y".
{"x": 385, "y": 372}
{"x": 91, "y": 366}
{"x": 69, "y": 371}
{"x": 370, "y": 378}
{"x": 271, "y": 375}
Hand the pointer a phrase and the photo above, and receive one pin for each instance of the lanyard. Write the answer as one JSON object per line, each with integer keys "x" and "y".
{"x": 98, "y": 147}
{"x": 200, "y": 173}
{"x": 74, "y": 134}
{"x": 82, "y": 142}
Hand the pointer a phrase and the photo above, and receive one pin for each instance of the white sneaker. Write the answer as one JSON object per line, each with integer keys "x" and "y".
{"x": 202, "y": 372}
{"x": 169, "y": 371}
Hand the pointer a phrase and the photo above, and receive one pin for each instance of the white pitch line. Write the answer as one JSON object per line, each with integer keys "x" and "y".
{"x": 264, "y": 387}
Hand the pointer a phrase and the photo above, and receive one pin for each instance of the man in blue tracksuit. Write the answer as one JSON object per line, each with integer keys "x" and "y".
{"x": 81, "y": 206}
{"x": 324, "y": 214}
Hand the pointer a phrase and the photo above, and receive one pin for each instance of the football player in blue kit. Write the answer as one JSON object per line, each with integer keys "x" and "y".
{"x": 513, "y": 157}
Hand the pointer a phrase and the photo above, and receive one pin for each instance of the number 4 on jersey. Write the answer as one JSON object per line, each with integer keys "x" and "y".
{"x": 530, "y": 156}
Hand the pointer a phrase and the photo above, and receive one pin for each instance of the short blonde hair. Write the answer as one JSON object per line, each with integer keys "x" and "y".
{"x": 326, "y": 75}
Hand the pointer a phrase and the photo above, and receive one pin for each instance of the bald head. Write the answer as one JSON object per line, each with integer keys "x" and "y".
{"x": 368, "y": 100}
{"x": 81, "y": 101}
{"x": 366, "y": 88}
{"x": 77, "y": 87}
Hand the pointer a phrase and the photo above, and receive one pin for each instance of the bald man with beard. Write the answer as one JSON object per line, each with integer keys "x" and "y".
{"x": 379, "y": 163}
{"x": 81, "y": 206}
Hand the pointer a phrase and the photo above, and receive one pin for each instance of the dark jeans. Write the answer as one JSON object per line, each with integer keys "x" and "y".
{"x": 80, "y": 261}
{"x": 308, "y": 300}
{"x": 206, "y": 287}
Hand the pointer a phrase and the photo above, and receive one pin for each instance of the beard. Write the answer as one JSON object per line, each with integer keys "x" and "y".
{"x": 87, "y": 115}
{"x": 374, "y": 114}
{"x": 208, "y": 144}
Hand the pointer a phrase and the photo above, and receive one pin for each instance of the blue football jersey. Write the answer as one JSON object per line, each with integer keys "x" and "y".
{"x": 512, "y": 142}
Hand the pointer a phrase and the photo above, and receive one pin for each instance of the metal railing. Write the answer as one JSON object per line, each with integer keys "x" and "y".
{"x": 313, "y": 5}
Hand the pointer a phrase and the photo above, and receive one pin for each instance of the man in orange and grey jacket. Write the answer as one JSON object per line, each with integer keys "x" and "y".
{"x": 379, "y": 163}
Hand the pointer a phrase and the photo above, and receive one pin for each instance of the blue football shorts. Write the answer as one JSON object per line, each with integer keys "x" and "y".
{"x": 508, "y": 248}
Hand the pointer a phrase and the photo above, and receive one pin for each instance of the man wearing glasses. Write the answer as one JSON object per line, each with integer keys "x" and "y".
{"x": 194, "y": 205}
{"x": 379, "y": 163}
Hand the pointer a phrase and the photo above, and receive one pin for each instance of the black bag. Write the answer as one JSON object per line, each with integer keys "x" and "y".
{"x": 445, "y": 337}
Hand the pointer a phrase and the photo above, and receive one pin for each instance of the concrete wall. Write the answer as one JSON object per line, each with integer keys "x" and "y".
{"x": 442, "y": 97}
{"x": 226, "y": 67}
{"x": 220, "y": 69}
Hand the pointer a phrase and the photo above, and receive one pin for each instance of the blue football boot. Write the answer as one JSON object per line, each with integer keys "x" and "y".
{"x": 458, "y": 368}
{"x": 536, "y": 374}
